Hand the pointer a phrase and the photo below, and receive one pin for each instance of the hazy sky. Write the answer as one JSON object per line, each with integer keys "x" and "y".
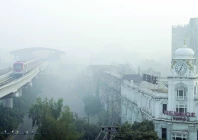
{"x": 99, "y": 30}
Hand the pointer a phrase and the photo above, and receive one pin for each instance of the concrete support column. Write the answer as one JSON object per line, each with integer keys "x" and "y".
{"x": 20, "y": 92}
{"x": 169, "y": 129}
{"x": 8, "y": 102}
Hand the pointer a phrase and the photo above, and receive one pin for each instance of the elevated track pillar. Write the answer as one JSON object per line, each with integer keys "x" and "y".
{"x": 20, "y": 92}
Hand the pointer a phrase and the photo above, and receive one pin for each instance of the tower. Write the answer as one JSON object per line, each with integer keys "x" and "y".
{"x": 183, "y": 82}
{"x": 179, "y": 33}
{"x": 189, "y": 32}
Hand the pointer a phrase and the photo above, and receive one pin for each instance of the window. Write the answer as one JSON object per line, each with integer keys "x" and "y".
{"x": 195, "y": 91}
{"x": 179, "y": 137}
{"x": 181, "y": 94}
{"x": 197, "y": 135}
{"x": 164, "y": 133}
{"x": 164, "y": 107}
{"x": 181, "y": 108}
{"x": 18, "y": 67}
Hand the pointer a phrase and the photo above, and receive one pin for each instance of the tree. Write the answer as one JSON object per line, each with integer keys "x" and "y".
{"x": 138, "y": 131}
{"x": 9, "y": 120}
{"x": 53, "y": 120}
{"x": 92, "y": 105}
{"x": 88, "y": 130}
{"x": 12, "y": 117}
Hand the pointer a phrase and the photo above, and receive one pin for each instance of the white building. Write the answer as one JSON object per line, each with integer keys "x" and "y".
{"x": 189, "y": 33}
{"x": 174, "y": 112}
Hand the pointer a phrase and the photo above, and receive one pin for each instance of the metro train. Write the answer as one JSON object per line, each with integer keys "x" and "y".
{"x": 22, "y": 67}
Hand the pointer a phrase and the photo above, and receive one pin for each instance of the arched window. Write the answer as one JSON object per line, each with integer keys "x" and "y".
{"x": 181, "y": 94}
{"x": 181, "y": 90}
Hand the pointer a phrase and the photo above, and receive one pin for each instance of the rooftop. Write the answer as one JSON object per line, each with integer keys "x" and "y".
{"x": 158, "y": 93}
{"x": 135, "y": 77}
{"x": 160, "y": 90}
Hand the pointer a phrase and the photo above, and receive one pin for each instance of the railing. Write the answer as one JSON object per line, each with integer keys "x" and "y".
{"x": 181, "y": 98}
{"x": 173, "y": 118}
{"x": 142, "y": 89}
{"x": 162, "y": 85}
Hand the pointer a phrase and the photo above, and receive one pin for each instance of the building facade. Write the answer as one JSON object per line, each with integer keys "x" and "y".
{"x": 189, "y": 33}
{"x": 179, "y": 34}
{"x": 110, "y": 93}
{"x": 172, "y": 108}
{"x": 179, "y": 121}
{"x": 140, "y": 103}
{"x": 174, "y": 113}
{"x": 193, "y": 35}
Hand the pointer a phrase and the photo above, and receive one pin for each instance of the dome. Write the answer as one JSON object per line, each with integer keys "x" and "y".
{"x": 184, "y": 53}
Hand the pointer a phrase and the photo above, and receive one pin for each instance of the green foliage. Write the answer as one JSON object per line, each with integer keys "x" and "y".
{"x": 92, "y": 105}
{"x": 138, "y": 135}
{"x": 10, "y": 119}
{"x": 138, "y": 131}
{"x": 143, "y": 126}
{"x": 58, "y": 122}
{"x": 53, "y": 120}
{"x": 21, "y": 105}
{"x": 87, "y": 130}
{"x": 24, "y": 102}
{"x": 2, "y": 137}
{"x": 41, "y": 109}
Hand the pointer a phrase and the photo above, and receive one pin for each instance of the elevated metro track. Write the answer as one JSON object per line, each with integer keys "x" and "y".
{"x": 6, "y": 80}
{"x": 12, "y": 84}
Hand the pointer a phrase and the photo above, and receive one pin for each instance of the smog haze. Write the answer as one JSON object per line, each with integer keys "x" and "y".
{"x": 97, "y": 32}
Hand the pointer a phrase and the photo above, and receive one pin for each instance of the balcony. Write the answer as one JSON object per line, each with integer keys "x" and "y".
{"x": 183, "y": 119}
{"x": 181, "y": 98}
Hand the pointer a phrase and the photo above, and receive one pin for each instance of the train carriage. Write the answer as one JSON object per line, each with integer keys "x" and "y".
{"x": 22, "y": 67}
